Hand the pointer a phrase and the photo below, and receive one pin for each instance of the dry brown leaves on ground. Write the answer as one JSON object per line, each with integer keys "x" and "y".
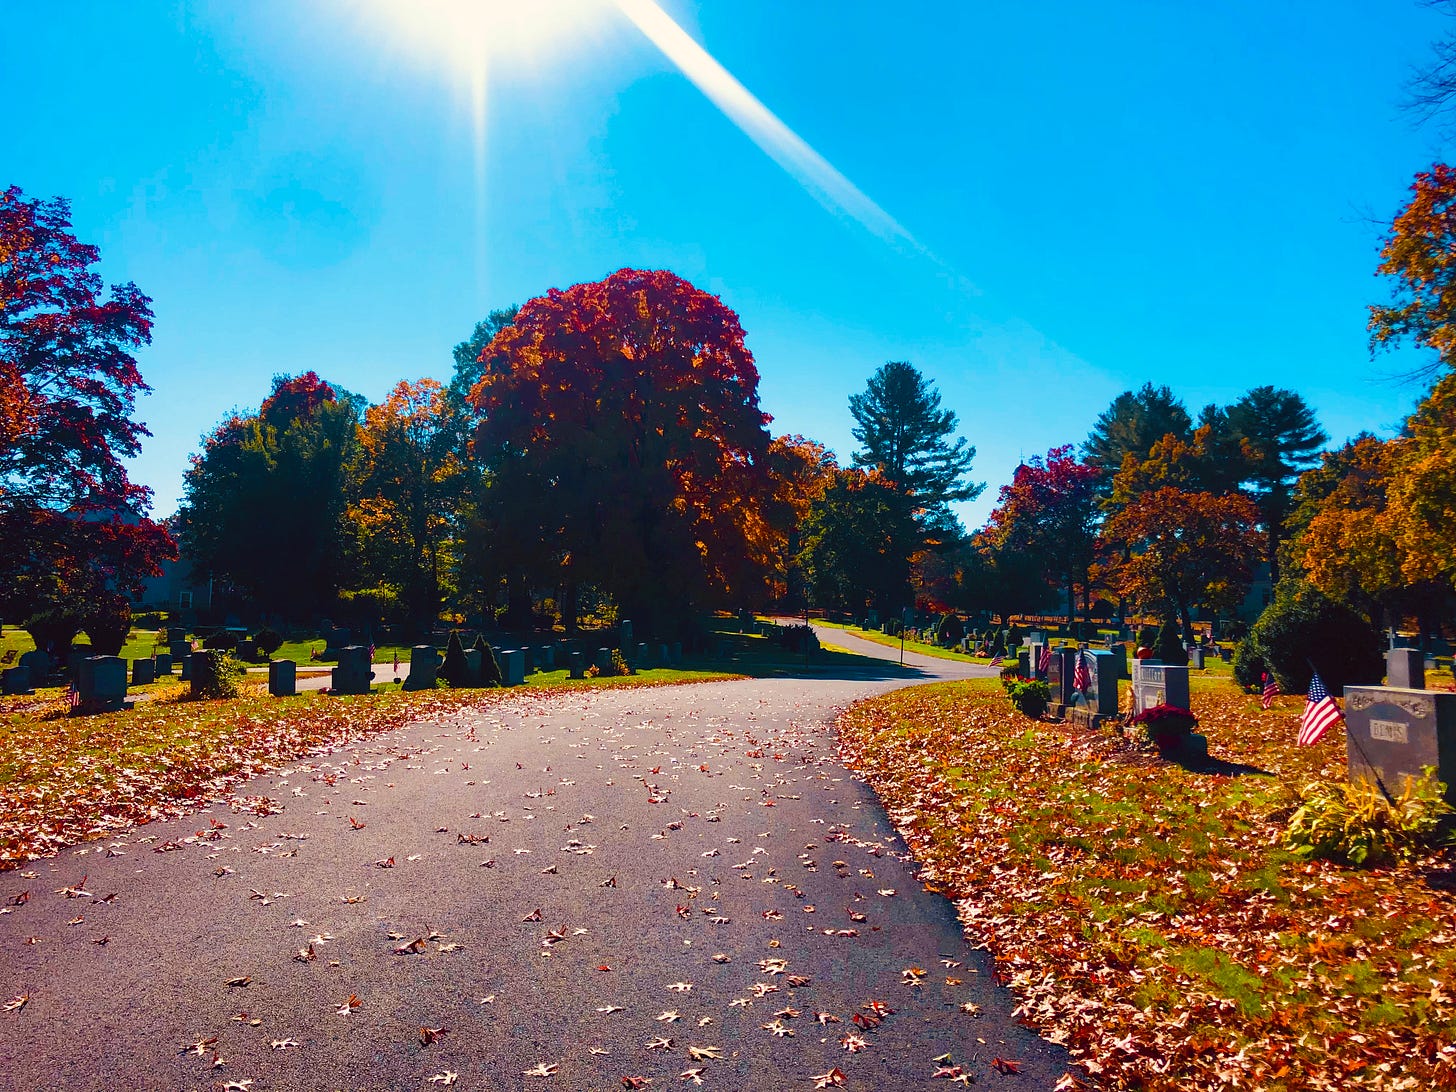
{"x": 1145, "y": 914}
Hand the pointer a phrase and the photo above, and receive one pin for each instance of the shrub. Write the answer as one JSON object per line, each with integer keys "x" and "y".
{"x": 1355, "y": 823}
{"x": 1169, "y": 646}
{"x": 54, "y": 630}
{"x": 1147, "y": 636}
{"x": 454, "y": 670}
{"x": 1030, "y": 696}
{"x": 221, "y": 640}
{"x": 268, "y": 641}
{"x": 1302, "y": 623}
{"x": 214, "y": 675}
{"x": 893, "y": 627}
{"x": 490, "y": 669}
{"x": 950, "y": 630}
{"x": 108, "y": 624}
{"x": 619, "y": 663}
{"x": 1249, "y": 666}
{"x": 795, "y": 638}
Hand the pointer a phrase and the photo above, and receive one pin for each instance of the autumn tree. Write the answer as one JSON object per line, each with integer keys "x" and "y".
{"x": 74, "y": 526}
{"x": 407, "y": 495}
{"x": 856, "y": 535}
{"x": 265, "y": 500}
{"x": 1422, "y": 489}
{"x": 1131, "y": 425}
{"x": 620, "y": 427}
{"x": 910, "y": 440}
{"x": 1419, "y": 256}
{"x": 1185, "y": 550}
{"x": 1050, "y": 512}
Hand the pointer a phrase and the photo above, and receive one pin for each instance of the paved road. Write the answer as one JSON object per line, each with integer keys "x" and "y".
{"x": 678, "y": 884}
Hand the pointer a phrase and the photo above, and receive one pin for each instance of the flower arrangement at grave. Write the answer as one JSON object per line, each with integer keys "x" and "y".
{"x": 1029, "y": 696}
{"x": 1164, "y": 725}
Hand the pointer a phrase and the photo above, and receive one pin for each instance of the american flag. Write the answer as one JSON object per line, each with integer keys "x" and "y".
{"x": 1271, "y": 690}
{"x": 997, "y": 660}
{"x": 73, "y": 697}
{"x": 371, "y": 652}
{"x": 1045, "y": 661}
{"x": 1081, "y": 677}
{"x": 1320, "y": 711}
{"x": 396, "y": 661}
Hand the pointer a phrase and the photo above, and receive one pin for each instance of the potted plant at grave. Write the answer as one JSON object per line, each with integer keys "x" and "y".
{"x": 1030, "y": 696}
{"x": 1165, "y": 726}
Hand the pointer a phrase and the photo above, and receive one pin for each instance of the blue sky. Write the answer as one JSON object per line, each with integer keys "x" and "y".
{"x": 1094, "y": 195}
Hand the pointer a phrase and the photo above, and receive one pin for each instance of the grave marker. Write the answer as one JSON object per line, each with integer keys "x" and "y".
{"x": 282, "y": 678}
{"x": 1392, "y": 732}
{"x": 513, "y": 666}
{"x": 354, "y": 672}
{"x": 423, "y": 667}
{"x": 143, "y": 671}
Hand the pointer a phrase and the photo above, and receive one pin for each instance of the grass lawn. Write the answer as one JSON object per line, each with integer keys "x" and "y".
{"x": 921, "y": 647}
{"x": 1146, "y": 915}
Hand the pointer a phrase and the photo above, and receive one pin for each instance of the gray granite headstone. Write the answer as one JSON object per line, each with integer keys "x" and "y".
{"x": 176, "y": 634}
{"x": 624, "y": 637}
{"x": 473, "y": 658}
{"x": 164, "y": 663}
{"x": 577, "y": 664}
{"x": 102, "y": 684}
{"x": 15, "y": 680}
{"x": 354, "y": 672}
{"x": 1405, "y": 668}
{"x": 641, "y": 659}
{"x": 1155, "y": 683}
{"x": 1033, "y": 656}
{"x": 663, "y": 659}
{"x": 1104, "y": 671}
{"x": 675, "y": 653}
{"x": 423, "y": 668}
{"x": 1059, "y": 675}
{"x": 38, "y": 662}
{"x": 604, "y": 659}
{"x": 1392, "y": 732}
{"x": 247, "y": 650}
{"x": 282, "y": 678}
{"x": 1023, "y": 663}
{"x": 186, "y": 671}
{"x": 1195, "y": 659}
{"x": 143, "y": 671}
{"x": 180, "y": 649}
{"x": 513, "y": 666}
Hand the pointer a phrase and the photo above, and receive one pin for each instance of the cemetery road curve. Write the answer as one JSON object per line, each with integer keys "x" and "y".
{"x": 589, "y": 890}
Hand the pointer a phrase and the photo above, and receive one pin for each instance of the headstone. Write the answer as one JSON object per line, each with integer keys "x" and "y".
{"x": 663, "y": 657}
{"x": 15, "y": 680}
{"x": 334, "y": 641}
{"x": 176, "y": 634}
{"x": 577, "y": 663}
{"x": 872, "y": 619}
{"x": 642, "y": 658}
{"x": 186, "y": 669}
{"x": 473, "y": 657}
{"x": 1155, "y": 683}
{"x": 180, "y": 649}
{"x": 513, "y": 667}
{"x": 1195, "y": 658}
{"x": 164, "y": 663}
{"x": 143, "y": 671}
{"x": 1059, "y": 675}
{"x": 603, "y": 659}
{"x": 1036, "y": 637}
{"x": 528, "y": 655}
{"x": 38, "y": 662}
{"x": 248, "y": 650}
{"x": 548, "y": 658}
{"x": 102, "y": 684}
{"x": 282, "y": 678}
{"x": 1104, "y": 671}
{"x": 1033, "y": 656}
{"x": 424, "y": 666}
{"x": 1405, "y": 668}
{"x": 354, "y": 673}
{"x": 624, "y": 636}
{"x": 1392, "y": 732}
{"x": 1023, "y": 663}
{"x": 675, "y": 653}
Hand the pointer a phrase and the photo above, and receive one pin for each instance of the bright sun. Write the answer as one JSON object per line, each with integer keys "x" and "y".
{"x": 494, "y": 34}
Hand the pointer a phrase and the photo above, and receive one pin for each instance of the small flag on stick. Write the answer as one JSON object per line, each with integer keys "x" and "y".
{"x": 1045, "y": 661}
{"x": 997, "y": 660}
{"x": 73, "y": 697}
{"x": 1320, "y": 712}
{"x": 1271, "y": 690}
{"x": 1081, "y": 676}
{"x": 396, "y": 661}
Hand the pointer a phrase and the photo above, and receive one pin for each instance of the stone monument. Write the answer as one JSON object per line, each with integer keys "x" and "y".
{"x": 423, "y": 668}
{"x": 282, "y": 678}
{"x": 354, "y": 672}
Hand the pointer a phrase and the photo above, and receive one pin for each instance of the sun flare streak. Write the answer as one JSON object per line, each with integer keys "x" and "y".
{"x": 785, "y": 147}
